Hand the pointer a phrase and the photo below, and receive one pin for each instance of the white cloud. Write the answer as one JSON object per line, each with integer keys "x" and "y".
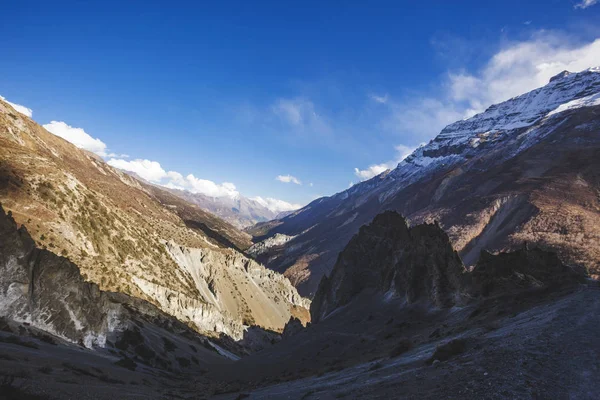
{"x": 288, "y": 179}
{"x": 371, "y": 171}
{"x": 276, "y": 205}
{"x": 519, "y": 68}
{"x": 153, "y": 172}
{"x": 209, "y": 188}
{"x": 77, "y": 136}
{"x": 402, "y": 152}
{"x": 300, "y": 114}
{"x": 586, "y": 3}
{"x": 380, "y": 99}
{"x": 19, "y": 108}
{"x": 516, "y": 68}
{"x": 292, "y": 110}
{"x": 176, "y": 178}
{"x": 146, "y": 169}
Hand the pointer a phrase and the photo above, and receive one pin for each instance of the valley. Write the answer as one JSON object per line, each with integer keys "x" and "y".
{"x": 468, "y": 271}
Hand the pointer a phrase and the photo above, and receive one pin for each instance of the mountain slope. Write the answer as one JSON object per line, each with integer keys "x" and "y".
{"x": 527, "y": 169}
{"x": 195, "y": 217}
{"x": 125, "y": 240}
{"x": 42, "y": 290}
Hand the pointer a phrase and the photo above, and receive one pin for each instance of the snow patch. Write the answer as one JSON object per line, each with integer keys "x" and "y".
{"x": 589, "y": 101}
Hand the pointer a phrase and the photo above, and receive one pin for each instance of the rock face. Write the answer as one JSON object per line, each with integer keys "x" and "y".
{"x": 44, "y": 291}
{"x": 262, "y": 247}
{"x": 418, "y": 264}
{"x": 134, "y": 239}
{"x": 525, "y": 170}
{"x": 525, "y": 268}
{"x": 388, "y": 257}
{"x": 48, "y": 291}
{"x": 232, "y": 285}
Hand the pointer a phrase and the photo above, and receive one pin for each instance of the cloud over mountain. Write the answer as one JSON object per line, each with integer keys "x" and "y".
{"x": 288, "y": 179}
{"x": 77, "y": 136}
{"x": 21, "y": 109}
{"x": 373, "y": 170}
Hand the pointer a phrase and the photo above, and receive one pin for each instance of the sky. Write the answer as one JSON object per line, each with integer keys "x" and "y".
{"x": 286, "y": 101}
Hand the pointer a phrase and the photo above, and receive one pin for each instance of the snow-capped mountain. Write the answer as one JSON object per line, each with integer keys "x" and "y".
{"x": 460, "y": 140}
{"x": 525, "y": 169}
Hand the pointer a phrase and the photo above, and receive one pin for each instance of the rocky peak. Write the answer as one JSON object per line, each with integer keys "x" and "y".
{"x": 560, "y": 75}
{"x": 388, "y": 257}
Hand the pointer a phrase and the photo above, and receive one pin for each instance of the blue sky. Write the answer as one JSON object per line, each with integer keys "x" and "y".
{"x": 320, "y": 94}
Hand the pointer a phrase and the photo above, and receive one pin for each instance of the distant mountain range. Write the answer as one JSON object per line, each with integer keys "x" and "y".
{"x": 239, "y": 211}
{"x": 525, "y": 170}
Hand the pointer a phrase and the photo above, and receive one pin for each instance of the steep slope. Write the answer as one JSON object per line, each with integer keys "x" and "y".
{"x": 124, "y": 239}
{"x": 388, "y": 257}
{"x": 195, "y": 217}
{"x": 527, "y": 169}
{"x": 44, "y": 291}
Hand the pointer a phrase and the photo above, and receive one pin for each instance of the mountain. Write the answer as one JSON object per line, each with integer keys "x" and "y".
{"x": 197, "y": 218}
{"x": 525, "y": 170}
{"x": 130, "y": 239}
{"x": 47, "y": 294}
{"x": 238, "y": 210}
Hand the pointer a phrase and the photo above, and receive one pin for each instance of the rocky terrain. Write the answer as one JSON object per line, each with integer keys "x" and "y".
{"x": 225, "y": 234}
{"x": 53, "y": 318}
{"x": 136, "y": 240}
{"x": 401, "y": 317}
{"x": 526, "y": 170}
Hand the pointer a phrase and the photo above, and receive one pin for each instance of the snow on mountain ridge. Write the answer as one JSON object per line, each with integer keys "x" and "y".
{"x": 526, "y": 109}
{"x": 460, "y": 139}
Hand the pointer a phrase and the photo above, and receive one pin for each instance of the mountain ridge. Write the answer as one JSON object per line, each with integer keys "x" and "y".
{"x": 491, "y": 181}
{"x": 116, "y": 231}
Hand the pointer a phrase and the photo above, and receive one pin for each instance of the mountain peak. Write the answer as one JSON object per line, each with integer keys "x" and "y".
{"x": 560, "y": 75}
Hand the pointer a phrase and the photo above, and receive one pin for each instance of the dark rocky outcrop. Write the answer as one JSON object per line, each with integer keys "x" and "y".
{"x": 293, "y": 326}
{"x": 418, "y": 264}
{"x": 390, "y": 258}
{"x": 503, "y": 273}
